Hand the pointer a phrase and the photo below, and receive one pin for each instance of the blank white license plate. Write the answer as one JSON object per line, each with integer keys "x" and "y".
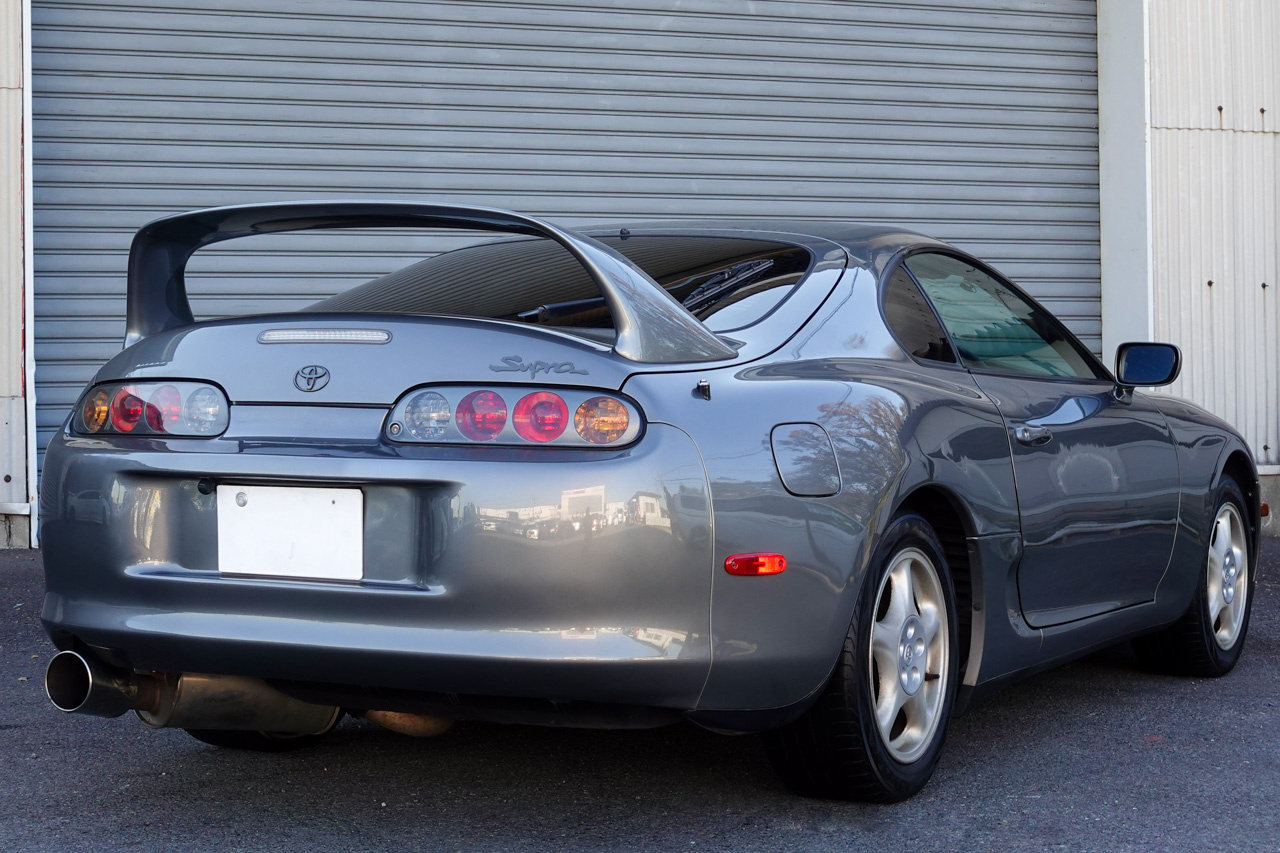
{"x": 292, "y": 533}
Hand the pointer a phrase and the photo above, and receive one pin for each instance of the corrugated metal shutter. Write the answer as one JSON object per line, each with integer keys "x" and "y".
{"x": 972, "y": 120}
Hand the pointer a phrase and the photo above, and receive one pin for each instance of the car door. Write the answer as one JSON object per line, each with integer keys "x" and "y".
{"x": 1096, "y": 473}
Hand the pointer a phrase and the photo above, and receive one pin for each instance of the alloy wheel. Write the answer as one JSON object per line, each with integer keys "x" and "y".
{"x": 1227, "y": 576}
{"x": 909, "y": 655}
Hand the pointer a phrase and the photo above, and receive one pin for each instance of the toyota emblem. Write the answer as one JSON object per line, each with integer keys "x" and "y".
{"x": 313, "y": 377}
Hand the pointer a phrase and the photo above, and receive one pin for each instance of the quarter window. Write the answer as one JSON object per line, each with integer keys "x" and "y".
{"x": 912, "y": 320}
{"x": 994, "y": 328}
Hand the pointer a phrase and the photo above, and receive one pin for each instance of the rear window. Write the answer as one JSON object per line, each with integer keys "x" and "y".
{"x": 728, "y": 283}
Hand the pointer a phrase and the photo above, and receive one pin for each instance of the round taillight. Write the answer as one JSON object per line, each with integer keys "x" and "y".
{"x": 164, "y": 408}
{"x": 427, "y": 416}
{"x": 541, "y": 416}
{"x": 203, "y": 413}
{"x": 601, "y": 420}
{"x": 482, "y": 415}
{"x": 126, "y": 410}
{"x": 97, "y": 407}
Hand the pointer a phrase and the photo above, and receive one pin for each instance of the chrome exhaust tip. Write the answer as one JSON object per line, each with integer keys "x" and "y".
{"x": 76, "y": 686}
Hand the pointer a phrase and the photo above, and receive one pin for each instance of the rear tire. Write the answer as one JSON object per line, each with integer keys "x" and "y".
{"x": 1208, "y": 639}
{"x": 877, "y": 730}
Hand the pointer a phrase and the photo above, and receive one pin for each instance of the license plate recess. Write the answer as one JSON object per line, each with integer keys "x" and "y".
{"x": 291, "y": 532}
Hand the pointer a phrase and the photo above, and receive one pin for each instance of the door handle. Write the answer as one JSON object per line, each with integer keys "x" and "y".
{"x": 1033, "y": 436}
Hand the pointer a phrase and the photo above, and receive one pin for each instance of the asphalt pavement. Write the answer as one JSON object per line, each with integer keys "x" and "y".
{"x": 1098, "y": 755}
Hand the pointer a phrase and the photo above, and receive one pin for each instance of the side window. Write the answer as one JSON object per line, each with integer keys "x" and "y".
{"x": 912, "y": 320}
{"x": 994, "y": 328}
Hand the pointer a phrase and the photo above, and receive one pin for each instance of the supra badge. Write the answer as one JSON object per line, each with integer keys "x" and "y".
{"x": 515, "y": 364}
{"x": 313, "y": 377}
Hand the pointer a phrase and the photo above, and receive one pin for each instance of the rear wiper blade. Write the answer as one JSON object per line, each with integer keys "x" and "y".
{"x": 723, "y": 283}
{"x": 707, "y": 293}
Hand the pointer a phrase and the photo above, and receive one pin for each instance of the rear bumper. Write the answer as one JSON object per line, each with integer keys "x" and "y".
{"x": 458, "y": 595}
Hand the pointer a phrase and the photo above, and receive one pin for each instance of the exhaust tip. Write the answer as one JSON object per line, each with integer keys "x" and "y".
{"x": 67, "y": 681}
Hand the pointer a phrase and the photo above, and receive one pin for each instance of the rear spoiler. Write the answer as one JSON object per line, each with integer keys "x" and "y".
{"x": 653, "y": 327}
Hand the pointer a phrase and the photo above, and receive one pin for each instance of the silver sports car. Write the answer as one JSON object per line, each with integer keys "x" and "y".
{"x": 829, "y": 482}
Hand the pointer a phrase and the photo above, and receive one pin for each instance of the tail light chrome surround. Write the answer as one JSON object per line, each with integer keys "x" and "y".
{"x": 514, "y": 415}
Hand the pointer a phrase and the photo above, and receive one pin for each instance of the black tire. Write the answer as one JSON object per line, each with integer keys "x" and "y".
{"x": 836, "y": 750}
{"x": 1195, "y": 644}
{"x": 260, "y": 741}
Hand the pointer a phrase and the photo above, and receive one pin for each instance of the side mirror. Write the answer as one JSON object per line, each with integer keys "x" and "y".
{"x": 1147, "y": 364}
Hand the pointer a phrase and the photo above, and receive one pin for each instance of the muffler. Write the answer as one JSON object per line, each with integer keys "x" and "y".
{"x": 414, "y": 725}
{"x": 78, "y": 685}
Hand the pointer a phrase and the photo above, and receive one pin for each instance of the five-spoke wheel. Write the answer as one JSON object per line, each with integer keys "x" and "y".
{"x": 1227, "y": 584}
{"x": 1208, "y": 639}
{"x": 909, "y": 654}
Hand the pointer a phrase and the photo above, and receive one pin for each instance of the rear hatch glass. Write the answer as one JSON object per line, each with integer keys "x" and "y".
{"x": 727, "y": 283}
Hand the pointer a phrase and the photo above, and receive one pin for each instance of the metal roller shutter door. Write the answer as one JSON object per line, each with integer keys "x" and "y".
{"x": 972, "y": 120}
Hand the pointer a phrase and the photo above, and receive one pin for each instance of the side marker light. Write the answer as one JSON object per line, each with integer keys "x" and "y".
{"x": 750, "y": 565}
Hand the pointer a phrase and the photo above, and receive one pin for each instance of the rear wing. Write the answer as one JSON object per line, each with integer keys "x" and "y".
{"x": 652, "y": 326}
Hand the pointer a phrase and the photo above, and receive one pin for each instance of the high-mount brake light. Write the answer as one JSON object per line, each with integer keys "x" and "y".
{"x": 510, "y": 415}
{"x": 193, "y": 409}
{"x": 482, "y": 415}
{"x": 324, "y": 336}
{"x": 601, "y": 420}
{"x": 541, "y": 416}
{"x": 126, "y": 409}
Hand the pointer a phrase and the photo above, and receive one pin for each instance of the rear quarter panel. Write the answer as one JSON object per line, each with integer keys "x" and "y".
{"x": 1204, "y": 443}
{"x": 894, "y": 425}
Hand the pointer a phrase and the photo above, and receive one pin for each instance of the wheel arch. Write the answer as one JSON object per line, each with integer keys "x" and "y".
{"x": 950, "y": 518}
{"x": 1239, "y": 467}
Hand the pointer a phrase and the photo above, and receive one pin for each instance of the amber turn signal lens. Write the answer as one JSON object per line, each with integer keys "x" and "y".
{"x": 601, "y": 420}
{"x": 750, "y": 565}
{"x": 96, "y": 409}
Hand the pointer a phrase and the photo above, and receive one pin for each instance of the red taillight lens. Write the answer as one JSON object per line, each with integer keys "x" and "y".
{"x": 481, "y": 415}
{"x": 750, "y": 565}
{"x": 164, "y": 408}
{"x": 541, "y": 416}
{"x": 126, "y": 410}
{"x": 601, "y": 420}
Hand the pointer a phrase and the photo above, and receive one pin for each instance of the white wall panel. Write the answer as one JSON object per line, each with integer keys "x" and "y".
{"x": 972, "y": 120}
{"x": 1216, "y": 208}
{"x": 1207, "y": 54}
{"x": 13, "y": 435}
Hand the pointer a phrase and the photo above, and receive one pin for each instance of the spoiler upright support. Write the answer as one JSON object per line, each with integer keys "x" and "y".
{"x": 652, "y": 326}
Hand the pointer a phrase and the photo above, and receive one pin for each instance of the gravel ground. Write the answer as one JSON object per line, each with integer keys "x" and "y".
{"x": 1097, "y": 755}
